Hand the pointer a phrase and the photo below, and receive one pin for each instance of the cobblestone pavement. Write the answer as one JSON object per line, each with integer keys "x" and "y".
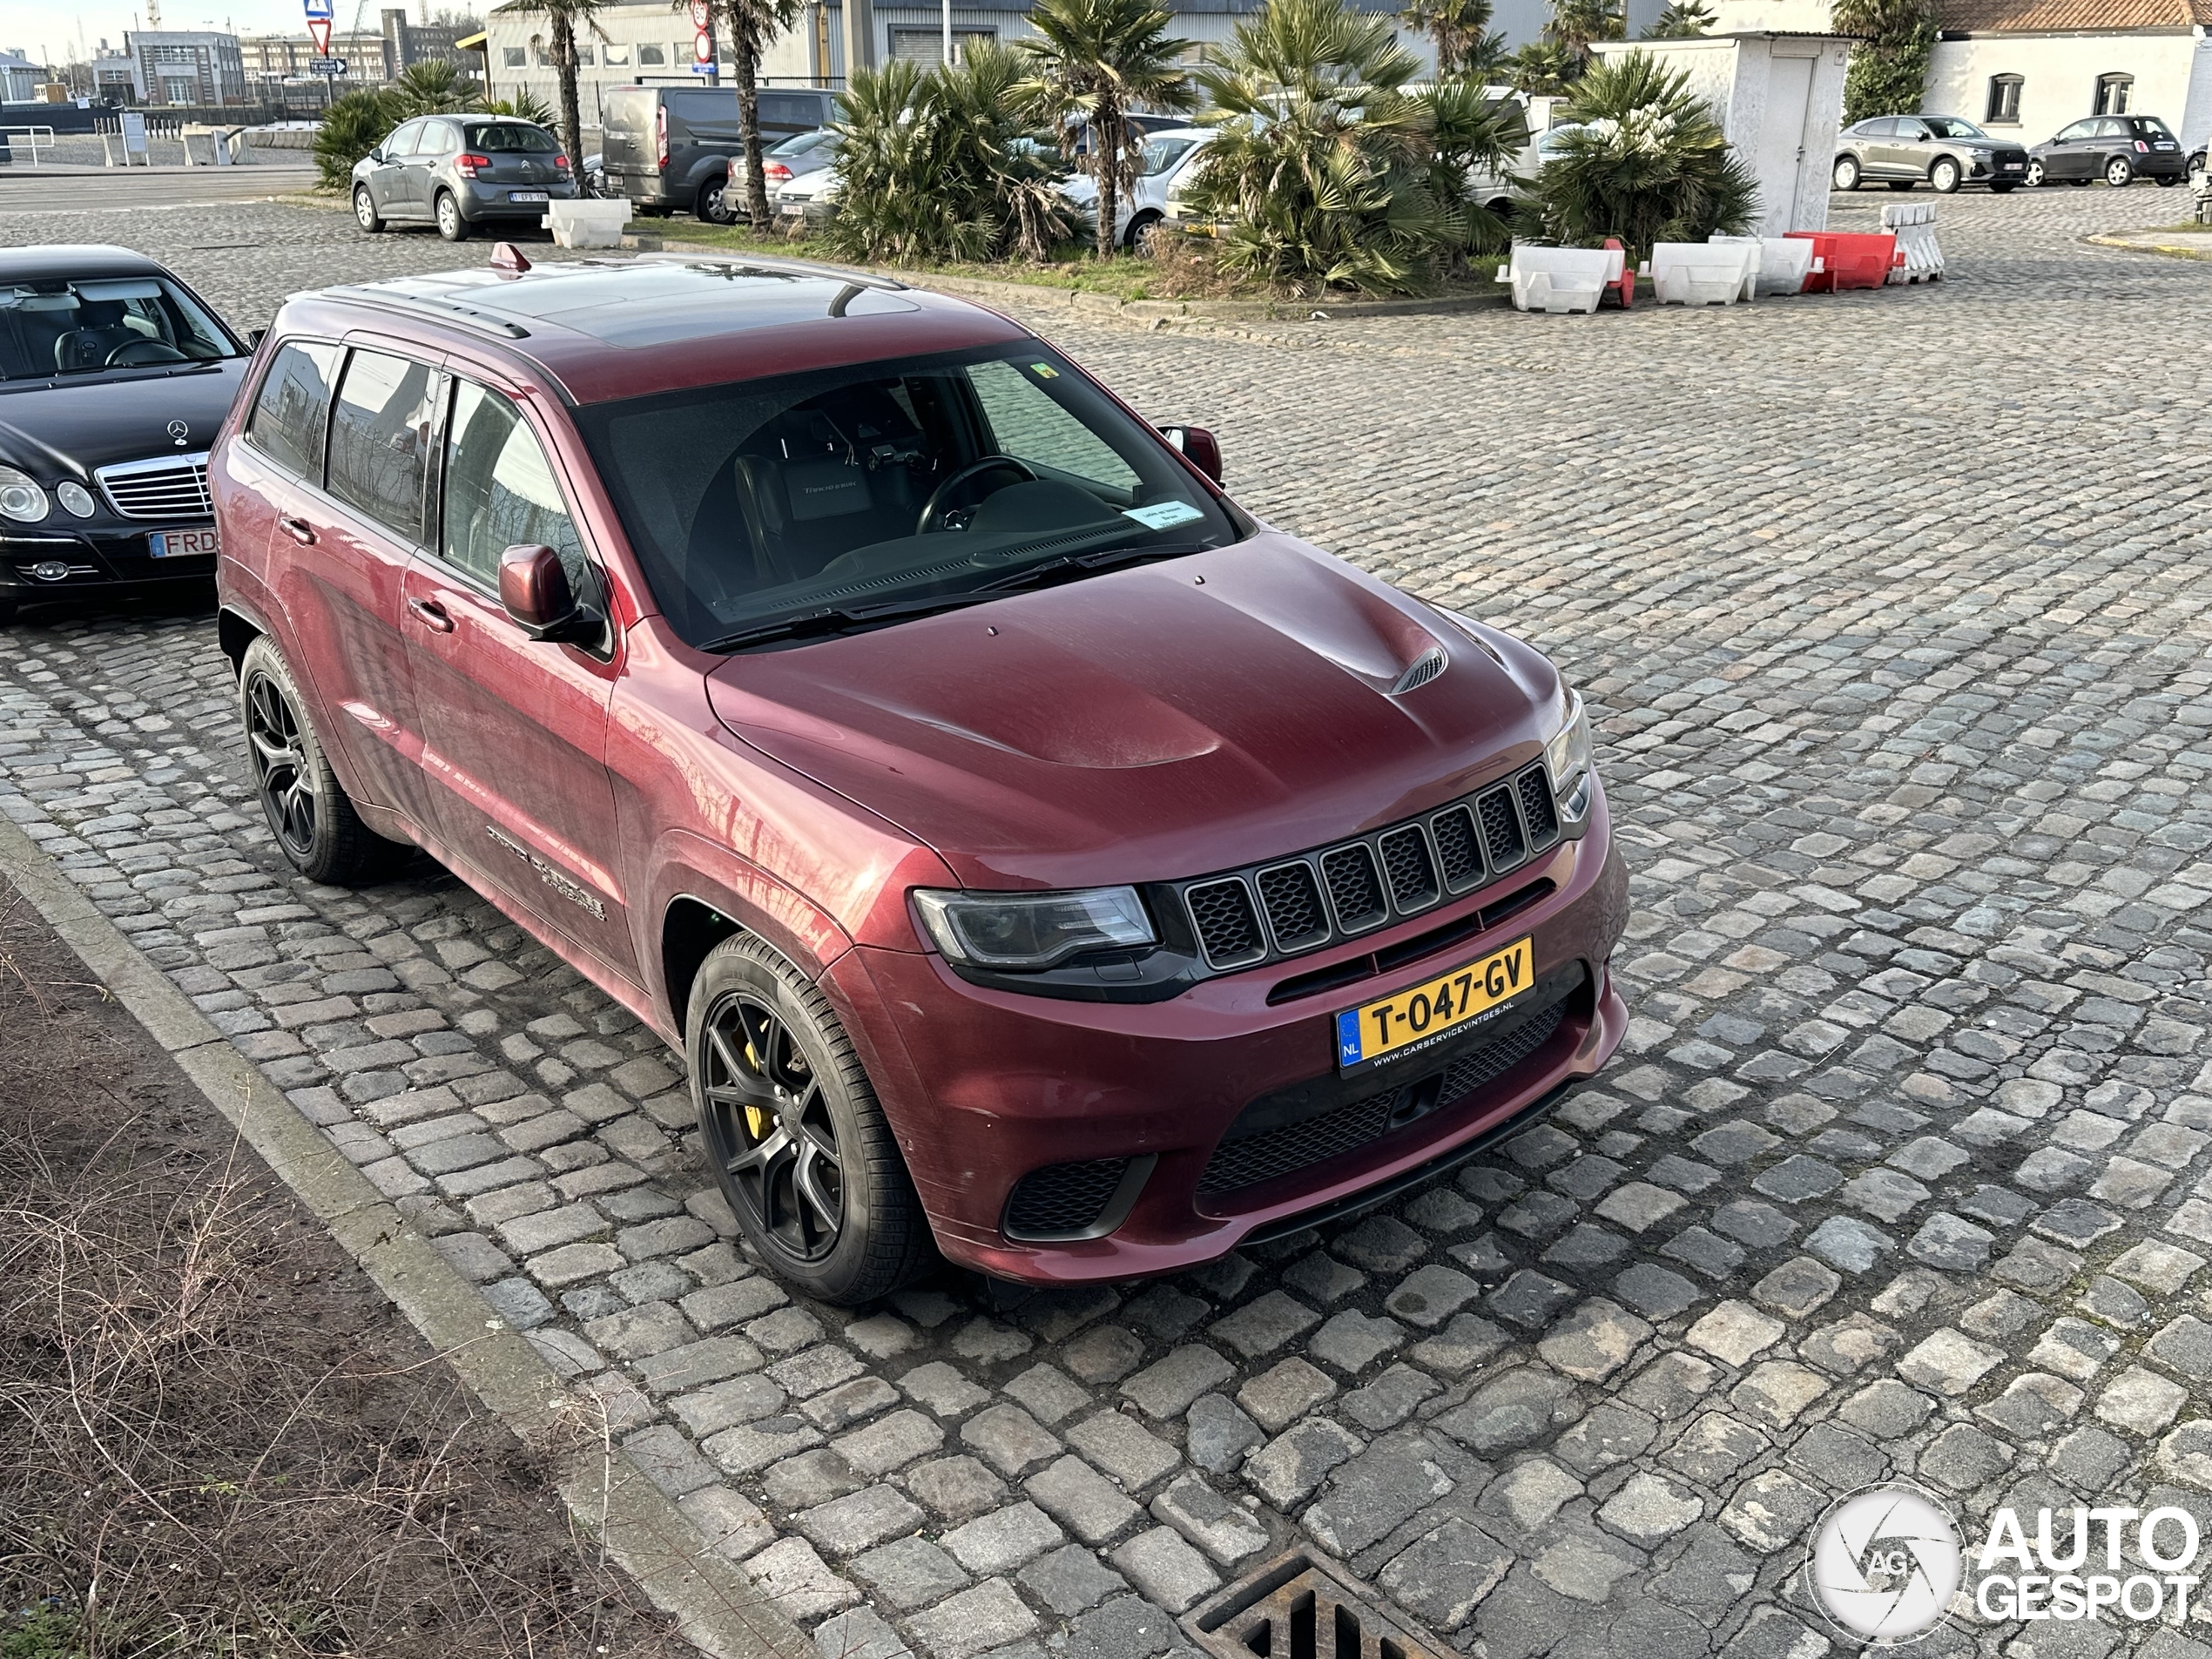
{"x": 1894, "y": 607}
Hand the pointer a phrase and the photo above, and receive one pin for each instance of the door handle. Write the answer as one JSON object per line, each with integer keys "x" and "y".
{"x": 298, "y": 530}
{"x": 431, "y": 614}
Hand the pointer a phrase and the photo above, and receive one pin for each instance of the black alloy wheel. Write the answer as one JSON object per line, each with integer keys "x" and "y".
{"x": 282, "y": 774}
{"x": 768, "y": 1125}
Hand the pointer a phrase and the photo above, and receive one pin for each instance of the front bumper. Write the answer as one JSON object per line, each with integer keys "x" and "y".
{"x": 46, "y": 562}
{"x": 983, "y": 1087}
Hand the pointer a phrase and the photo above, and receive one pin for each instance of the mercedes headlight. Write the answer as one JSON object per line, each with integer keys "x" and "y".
{"x": 1568, "y": 758}
{"x": 1027, "y": 931}
{"x": 20, "y": 498}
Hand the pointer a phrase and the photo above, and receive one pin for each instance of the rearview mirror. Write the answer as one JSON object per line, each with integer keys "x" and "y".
{"x": 1199, "y": 448}
{"x": 534, "y": 592}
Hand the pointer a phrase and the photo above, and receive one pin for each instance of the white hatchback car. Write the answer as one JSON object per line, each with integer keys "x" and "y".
{"x": 1170, "y": 160}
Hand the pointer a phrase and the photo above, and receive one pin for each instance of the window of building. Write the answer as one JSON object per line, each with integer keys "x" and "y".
{"x": 2113, "y": 93}
{"x": 583, "y": 56}
{"x": 2003, "y": 100}
{"x": 615, "y": 55}
{"x": 652, "y": 56}
{"x": 538, "y": 51}
{"x": 927, "y": 45}
{"x": 378, "y": 439}
{"x": 515, "y": 57}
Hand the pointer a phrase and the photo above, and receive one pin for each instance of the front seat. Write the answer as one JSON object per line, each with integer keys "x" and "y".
{"x": 99, "y": 330}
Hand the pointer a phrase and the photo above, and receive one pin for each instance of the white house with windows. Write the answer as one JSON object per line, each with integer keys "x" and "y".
{"x": 2026, "y": 67}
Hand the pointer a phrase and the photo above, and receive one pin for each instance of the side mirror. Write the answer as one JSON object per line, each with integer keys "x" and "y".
{"x": 1199, "y": 448}
{"x": 377, "y": 155}
{"x": 535, "y": 592}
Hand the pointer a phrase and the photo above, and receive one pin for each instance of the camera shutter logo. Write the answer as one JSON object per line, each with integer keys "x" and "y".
{"x": 1885, "y": 1564}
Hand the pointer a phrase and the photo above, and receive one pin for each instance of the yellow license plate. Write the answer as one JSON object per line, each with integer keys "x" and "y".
{"x": 1391, "y": 1026}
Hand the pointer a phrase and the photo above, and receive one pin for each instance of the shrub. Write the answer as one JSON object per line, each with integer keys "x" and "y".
{"x": 1646, "y": 162}
{"x": 1889, "y": 67}
{"x": 434, "y": 86}
{"x": 939, "y": 164}
{"x": 353, "y": 125}
{"x": 523, "y": 105}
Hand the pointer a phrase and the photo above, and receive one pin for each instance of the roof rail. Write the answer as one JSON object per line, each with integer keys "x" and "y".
{"x": 782, "y": 268}
{"x": 447, "y": 310}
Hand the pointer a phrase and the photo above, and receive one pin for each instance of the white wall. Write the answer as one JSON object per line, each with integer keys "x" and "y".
{"x": 1793, "y": 17}
{"x": 2058, "y": 79}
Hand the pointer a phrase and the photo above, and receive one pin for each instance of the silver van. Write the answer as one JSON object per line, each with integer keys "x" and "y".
{"x": 671, "y": 148}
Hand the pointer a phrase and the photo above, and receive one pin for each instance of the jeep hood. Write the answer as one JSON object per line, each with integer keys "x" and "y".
{"x": 1148, "y": 724}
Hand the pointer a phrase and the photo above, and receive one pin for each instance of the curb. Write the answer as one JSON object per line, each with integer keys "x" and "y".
{"x": 1147, "y": 311}
{"x": 714, "y": 1602}
{"x": 2127, "y": 243}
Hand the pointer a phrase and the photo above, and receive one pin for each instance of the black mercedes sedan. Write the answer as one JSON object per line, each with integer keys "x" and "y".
{"x": 113, "y": 378}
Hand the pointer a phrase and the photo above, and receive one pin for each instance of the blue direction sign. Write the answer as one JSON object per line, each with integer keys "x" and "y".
{"x": 333, "y": 66}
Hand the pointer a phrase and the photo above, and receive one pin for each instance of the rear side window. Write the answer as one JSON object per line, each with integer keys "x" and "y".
{"x": 294, "y": 408}
{"x": 500, "y": 492}
{"x": 380, "y": 432}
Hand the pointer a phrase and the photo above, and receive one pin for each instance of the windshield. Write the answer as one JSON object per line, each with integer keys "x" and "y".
{"x": 1950, "y": 126}
{"x": 507, "y": 139}
{"x": 82, "y": 327}
{"x": 1163, "y": 153}
{"x": 899, "y": 483}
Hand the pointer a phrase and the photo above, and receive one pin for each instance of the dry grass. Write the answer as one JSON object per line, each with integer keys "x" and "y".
{"x": 215, "y": 1438}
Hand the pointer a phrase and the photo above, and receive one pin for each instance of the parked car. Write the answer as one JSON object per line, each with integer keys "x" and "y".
{"x": 812, "y": 198}
{"x": 1170, "y": 156}
{"x": 802, "y": 157}
{"x": 1026, "y": 848}
{"x": 669, "y": 148}
{"x": 114, "y": 376}
{"x": 459, "y": 172}
{"x": 595, "y": 179}
{"x": 2118, "y": 149}
{"x": 1943, "y": 150}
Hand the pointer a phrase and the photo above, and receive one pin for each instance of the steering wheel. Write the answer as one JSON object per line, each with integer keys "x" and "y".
{"x": 145, "y": 350}
{"x": 933, "y": 510}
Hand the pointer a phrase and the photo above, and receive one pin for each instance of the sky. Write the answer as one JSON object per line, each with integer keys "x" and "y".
{"x": 28, "y": 25}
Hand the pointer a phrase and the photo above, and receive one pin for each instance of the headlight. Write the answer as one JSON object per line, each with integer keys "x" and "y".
{"x": 1567, "y": 758}
{"x": 1032, "y": 930}
{"x": 77, "y": 498}
{"x": 21, "y": 499}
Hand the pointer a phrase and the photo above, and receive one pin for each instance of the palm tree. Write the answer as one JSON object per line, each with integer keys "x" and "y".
{"x": 1095, "y": 60}
{"x": 1460, "y": 30}
{"x": 1682, "y": 20}
{"x": 752, "y": 24}
{"x": 562, "y": 19}
{"x": 1575, "y": 24}
{"x": 434, "y": 87}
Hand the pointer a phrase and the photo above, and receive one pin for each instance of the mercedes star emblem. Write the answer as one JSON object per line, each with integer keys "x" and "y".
{"x": 179, "y": 431}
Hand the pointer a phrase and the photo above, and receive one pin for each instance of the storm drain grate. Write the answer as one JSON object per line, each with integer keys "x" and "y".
{"x": 1298, "y": 1606}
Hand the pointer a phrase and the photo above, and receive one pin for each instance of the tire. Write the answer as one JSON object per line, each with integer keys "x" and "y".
{"x": 453, "y": 224}
{"x": 1138, "y": 241}
{"x": 2168, "y": 182}
{"x": 769, "y": 1128}
{"x": 714, "y": 206}
{"x": 2120, "y": 172}
{"x": 1905, "y": 184}
{"x": 2036, "y": 177}
{"x": 316, "y": 826}
{"x": 1848, "y": 174}
{"x": 365, "y": 213}
{"x": 1946, "y": 176}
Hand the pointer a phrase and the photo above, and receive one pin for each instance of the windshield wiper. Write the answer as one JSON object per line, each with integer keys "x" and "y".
{"x": 1087, "y": 565}
{"x": 838, "y": 619}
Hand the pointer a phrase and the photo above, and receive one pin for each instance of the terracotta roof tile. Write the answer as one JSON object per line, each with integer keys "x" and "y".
{"x": 1986, "y": 16}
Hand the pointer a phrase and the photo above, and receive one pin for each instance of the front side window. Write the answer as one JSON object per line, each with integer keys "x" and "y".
{"x": 2113, "y": 128}
{"x": 2115, "y": 92}
{"x": 294, "y": 408}
{"x": 84, "y": 326}
{"x": 402, "y": 141}
{"x": 500, "y": 492}
{"x": 1912, "y": 131}
{"x": 380, "y": 434}
{"x": 911, "y": 483}
{"x": 2005, "y": 98}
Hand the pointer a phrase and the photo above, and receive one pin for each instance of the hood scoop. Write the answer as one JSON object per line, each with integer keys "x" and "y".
{"x": 1421, "y": 672}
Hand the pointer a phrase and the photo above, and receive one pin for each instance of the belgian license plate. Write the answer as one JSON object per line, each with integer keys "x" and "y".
{"x": 2015, "y": 166}
{"x": 791, "y": 210}
{"x": 2164, "y": 143}
{"x": 181, "y": 545}
{"x": 525, "y": 195}
{"x": 1392, "y": 1027}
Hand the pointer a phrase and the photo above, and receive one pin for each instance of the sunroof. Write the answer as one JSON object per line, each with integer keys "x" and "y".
{"x": 651, "y": 303}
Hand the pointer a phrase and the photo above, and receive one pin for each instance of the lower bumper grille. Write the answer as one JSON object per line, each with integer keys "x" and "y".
{"x": 1062, "y": 1200}
{"x": 1248, "y": 1160}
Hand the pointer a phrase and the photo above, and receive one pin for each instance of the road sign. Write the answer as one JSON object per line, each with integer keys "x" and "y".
{"x": 317, "y": 8}
{"x": 701, "y": 16}
{"x": 702, "y": 48}
{"x": 331, "y": 66}
{"x": 318, "y": 31}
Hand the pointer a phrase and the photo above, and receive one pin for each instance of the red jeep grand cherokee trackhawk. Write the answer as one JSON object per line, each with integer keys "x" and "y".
{"x": 1030, "y": 851}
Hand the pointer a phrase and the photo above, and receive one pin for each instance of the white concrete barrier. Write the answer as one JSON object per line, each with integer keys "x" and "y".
{"x": 1785, "y": 261}
{"x": 586, "y": 223}
{"x": 1703, "y": 273}
{"x": 1560, "y": 279}
{"x": 1913, "y": 225}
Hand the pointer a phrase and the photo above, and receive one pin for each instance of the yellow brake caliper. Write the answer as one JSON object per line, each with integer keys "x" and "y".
{"x": 755, "y": 1119}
